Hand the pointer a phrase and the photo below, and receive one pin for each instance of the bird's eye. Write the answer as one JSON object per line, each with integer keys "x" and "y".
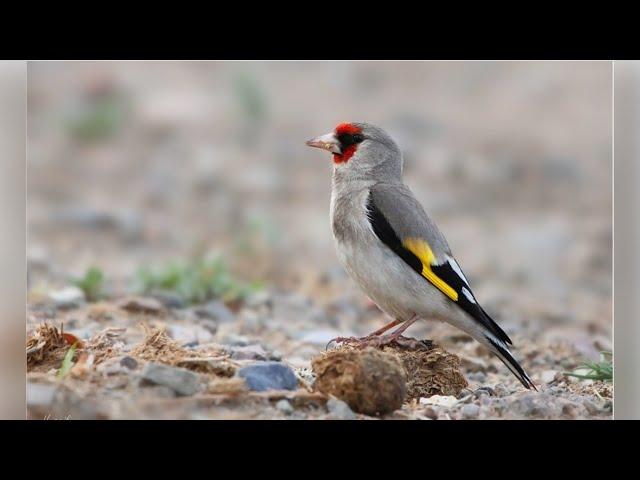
{"x": 357, "y": 138}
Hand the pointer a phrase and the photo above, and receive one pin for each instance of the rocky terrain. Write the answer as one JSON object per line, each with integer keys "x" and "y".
{"x": 178, "y": 232}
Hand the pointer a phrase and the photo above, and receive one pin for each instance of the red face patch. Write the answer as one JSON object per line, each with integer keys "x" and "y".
{"x": 348, "y": 151}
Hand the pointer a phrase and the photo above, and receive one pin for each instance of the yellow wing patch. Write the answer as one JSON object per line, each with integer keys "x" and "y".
{"x": 421, "y": 249}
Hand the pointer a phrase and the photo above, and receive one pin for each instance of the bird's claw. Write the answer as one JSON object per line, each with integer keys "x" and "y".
{"x": 379, "y": 341}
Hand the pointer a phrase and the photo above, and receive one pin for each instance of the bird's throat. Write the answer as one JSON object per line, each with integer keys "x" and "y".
{"x": 345, "y": 155}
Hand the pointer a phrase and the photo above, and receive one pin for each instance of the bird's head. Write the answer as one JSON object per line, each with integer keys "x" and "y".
{"x": 362, "y": 147}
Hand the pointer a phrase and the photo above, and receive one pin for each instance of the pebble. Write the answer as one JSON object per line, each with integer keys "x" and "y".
{"x": 146, "y": 305}
{"x": 210, "y": 325}
{"x": 129, "y": 362}
{"x": 250, "y": 352}
{"x": 39, "y": 394}
{"x": 180, "y": 380}
{"x": 234, "y": 340}
{"x": 447, "y": 401}
{"x": 285, "y": 406}
{"x": 479, "y": 377}
{"x": 69, "y": 297}
{"x": 190, "y": 334}
{"x": 591, "y": 407}
{"x": 168, "y": 299}
{"x": 500, "y": 390}
{"x": 532, "y": 405}
{"x": 548, "y": 376}
{"x": 470, "y": 411}
{"x": 258, "y": 299}
{"x": 339, "y": 410}
{"x": 429, "y": 412}
{"x": 570, "y": 410}
{"x": 215, "y": 310}
{"x": 264, "y": 376}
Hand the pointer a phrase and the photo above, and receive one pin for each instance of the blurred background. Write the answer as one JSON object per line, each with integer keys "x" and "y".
{"x": 145, "y": 177}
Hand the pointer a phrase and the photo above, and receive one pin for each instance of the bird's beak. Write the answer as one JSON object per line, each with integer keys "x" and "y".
{"x": 327, "y": 142}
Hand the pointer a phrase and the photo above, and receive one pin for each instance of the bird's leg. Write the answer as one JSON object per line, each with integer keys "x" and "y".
{"x": 396, "y": 334}
{"x": 388, "y": 326}
{"x": 376, "y": 339}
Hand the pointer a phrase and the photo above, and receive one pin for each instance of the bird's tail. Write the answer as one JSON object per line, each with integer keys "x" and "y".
{"x": 503, "y": 353}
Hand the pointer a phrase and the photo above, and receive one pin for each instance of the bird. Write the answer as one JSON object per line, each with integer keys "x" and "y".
{"x": 393, "y": 250}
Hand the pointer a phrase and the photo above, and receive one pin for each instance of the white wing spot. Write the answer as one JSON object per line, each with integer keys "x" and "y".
{"x": 457, "y": 269}
{"x": 467, "y": 294}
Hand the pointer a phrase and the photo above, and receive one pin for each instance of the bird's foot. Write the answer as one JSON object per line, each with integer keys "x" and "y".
{"x": 379, "y": 341}
{"x": 359, "y": 342}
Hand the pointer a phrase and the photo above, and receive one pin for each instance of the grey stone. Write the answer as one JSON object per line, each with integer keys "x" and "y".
{"x": 210, "y": 325}
{"x": 192, "y": 334}
{"x": 129, "y": 362}
{"x": 532, "y": 405}
{"x": 215, "y": 310}
{"x": 257, "y": 299}
{"x": 285, "y": 406}
{"x": 479, "y": 377}
{"x": 69, "y": 297}
{"x": 470, "y": 411}
{"x": 40, "y": 394}
{"x": 168, "y": 299}
{"x": 548, "y": 376}
{"x": 264, "y": 376}
{"x": 500, "y": 390}
{"x": 591, "y": 407}
{"x": 251, "y": 352}
{"x": 340, "y": 410}
{"x": 180, "y": 380}
{"x": 234, "y": 340}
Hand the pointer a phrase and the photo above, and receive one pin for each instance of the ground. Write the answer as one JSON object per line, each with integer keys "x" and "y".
{"x": 136, "y": 167}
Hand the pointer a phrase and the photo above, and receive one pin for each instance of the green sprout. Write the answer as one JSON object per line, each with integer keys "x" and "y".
{"x": 602, "y": 370}
{"x": 67, "y": 362}
{"x": 91, "y": 284}
{"x": 196, "y": 281}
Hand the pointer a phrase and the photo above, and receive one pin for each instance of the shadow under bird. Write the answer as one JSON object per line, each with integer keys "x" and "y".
{"x": 393, "y": 250}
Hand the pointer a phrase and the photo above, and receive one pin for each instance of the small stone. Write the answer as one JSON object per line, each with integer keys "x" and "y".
{"x": 470, "y": 411}
{"x": 430, "y": 412}
{"x": 141, "y": 305}
{"x": 69, "y": 297}
{"x": 569, "y": 410}
{"x": 264, "y": 376}
{"x": 250, "y": 352}
{"x": 532, "y": 405}
{"x": 192, "y": 334}
{"x": 548, "y": 376}
{"x": 591, "y": 407}
{"x": 257, "y": 299}
{"x": 285, "y": 407}
{"x": 215, "y": 310}
{"x": 340, "y": 410}
{"x": 110, "y": 366}
{"x": 129, "y": 362}
{"x": 168, "y": 299}
{"x": 209, "y": 325}
{"x": 500, "y": 390}
{"x": 40, "y": 395}
{"x": 234, "y": 340}
{"x": 182, "y": 381}
{"x": 447, "y": 401}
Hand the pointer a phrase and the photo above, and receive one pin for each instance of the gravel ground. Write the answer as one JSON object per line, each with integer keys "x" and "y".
{"x": 142, "y": 164}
